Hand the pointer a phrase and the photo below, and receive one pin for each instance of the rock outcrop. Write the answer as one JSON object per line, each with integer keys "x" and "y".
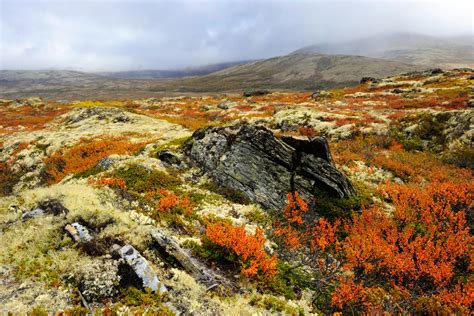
{"x": 251, "y": 160}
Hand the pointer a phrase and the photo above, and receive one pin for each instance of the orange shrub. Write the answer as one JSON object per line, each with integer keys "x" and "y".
{"x": 318, "y": 235}
{"x": 419, "y": 248}
{"x": 31, "y": 118}
{"x": 249, "y": 248}
{"x": 307, "y": 131}
{"x": 171, "y": 203}
{"x": 295, "y": 207}
{"x": 112, "y": 182}
{"x": 85, "y": 155}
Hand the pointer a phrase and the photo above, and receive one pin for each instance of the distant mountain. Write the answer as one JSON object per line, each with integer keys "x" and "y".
{"x": 45, "y": 76}
{"x": 178, "y": 73}
{"x": 446, "y": 52}
{"x": 302, "y": 71}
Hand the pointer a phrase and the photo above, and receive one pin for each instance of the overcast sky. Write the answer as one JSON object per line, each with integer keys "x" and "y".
{"x": 144, "y": 34}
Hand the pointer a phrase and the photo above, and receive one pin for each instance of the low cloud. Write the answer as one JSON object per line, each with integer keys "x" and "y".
{"x": 121, "y": 35}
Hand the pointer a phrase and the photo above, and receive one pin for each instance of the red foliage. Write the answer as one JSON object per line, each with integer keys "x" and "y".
{"x": 307, "y": 131}
{"x": 418, "y": 248}
{"x": 28, "y": 117}
{"x": 111, "y": 182}
{"x": 295, "y": 233}
{"x": 85, "y": 155}
{"x": 295, "y": 207}
{"x": 249, "y": 248}
{"x": 170, "y": 202}
{"x": 345, "y": 121}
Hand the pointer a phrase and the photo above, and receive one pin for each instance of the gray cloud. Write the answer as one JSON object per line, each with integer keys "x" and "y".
{"x": 120, "y": 35}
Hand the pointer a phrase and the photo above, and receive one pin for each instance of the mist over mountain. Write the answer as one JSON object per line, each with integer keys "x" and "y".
{"x": 449, "y": 52}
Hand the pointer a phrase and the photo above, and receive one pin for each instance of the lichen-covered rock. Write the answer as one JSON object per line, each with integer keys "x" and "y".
{"x": 78, "y": 232}
{"x": 251, "y": 160}
{"x": 99, "y": 280}
{"x": 54, "y": 207}
{"x": 32, "y": 214}
{"x": 32, "y": 101}
{"x": 100, "y": 113}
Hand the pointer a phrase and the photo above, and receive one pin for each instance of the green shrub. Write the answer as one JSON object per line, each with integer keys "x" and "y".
{"x": 334, "y": 207}
{"x": 38, "y": 311}
{"x": 140, "y": 180}
{"x": 289, "y": 281}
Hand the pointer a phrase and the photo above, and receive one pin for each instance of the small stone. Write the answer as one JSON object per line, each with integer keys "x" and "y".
{"x": 32, "y": 214}
{"x": 78, "y": 232}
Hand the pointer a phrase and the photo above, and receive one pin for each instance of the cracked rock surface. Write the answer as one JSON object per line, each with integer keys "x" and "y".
{"x": 251, "y": 160}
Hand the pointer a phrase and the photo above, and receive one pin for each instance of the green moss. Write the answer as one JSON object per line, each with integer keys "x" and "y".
{"x": 42, "y": 147}
{"x": 172, "y": 144}
{"x": 131, "y": 296}
{"x": 76, "y": 311}
{"x": 461, "y": 157}
{"x": 289, "y": 281}
{"x": 274, "y": 304}
{"x": 88, "y": 173}
{"x": 210, "y": 251}
{"x": 141, "y": 180}
{"x": 259, "y": 217}
{"x": 196, "y": 198}
{"x": 37, "y": 311}
{"x": 230, "y": 194}
{"x": 333, "y": 207}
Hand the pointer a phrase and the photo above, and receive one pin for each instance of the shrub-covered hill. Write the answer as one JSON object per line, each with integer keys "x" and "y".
{"x": 138, "y": 206}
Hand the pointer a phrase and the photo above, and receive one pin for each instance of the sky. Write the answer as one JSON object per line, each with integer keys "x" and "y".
{"x": 111, "y": 35}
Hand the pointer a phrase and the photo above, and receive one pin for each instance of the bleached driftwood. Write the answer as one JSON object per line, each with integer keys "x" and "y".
{"x": 191, "y": 265}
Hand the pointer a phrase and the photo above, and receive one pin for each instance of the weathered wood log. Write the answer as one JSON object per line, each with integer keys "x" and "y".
{"x": 192, "y": 266}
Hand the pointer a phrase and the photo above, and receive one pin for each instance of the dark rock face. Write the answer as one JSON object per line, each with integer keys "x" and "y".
{"x": 169, "y": 157}
{"x": 250, "y": 159}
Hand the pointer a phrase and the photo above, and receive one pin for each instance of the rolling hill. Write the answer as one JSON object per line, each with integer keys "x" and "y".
{"x": 302, "y": 71}
{"x": 174, "y": 73}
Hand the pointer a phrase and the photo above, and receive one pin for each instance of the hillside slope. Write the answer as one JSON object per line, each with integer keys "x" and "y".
{"x": 291, "y": 72}
{"x": 174, "y": 73}
{"x": 298, "y": 72}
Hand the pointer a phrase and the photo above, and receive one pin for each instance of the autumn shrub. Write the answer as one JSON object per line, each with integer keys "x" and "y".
{"x": 171, "y": 203}
{"x": 423, "y": 249}
{"x": 84, "y": 156}
{"x": 309, "y": 244}
{"x": 29, "y": 117}
{"x": 307, "y": 131}
{"x": 247, "y": 250}
{"x": 108, "y": 181}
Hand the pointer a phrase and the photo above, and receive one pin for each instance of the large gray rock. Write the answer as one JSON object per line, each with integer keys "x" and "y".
{"x": 264, "y": 168}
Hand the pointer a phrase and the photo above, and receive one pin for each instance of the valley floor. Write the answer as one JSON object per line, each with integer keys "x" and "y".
{"x": 82, "y": 181}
